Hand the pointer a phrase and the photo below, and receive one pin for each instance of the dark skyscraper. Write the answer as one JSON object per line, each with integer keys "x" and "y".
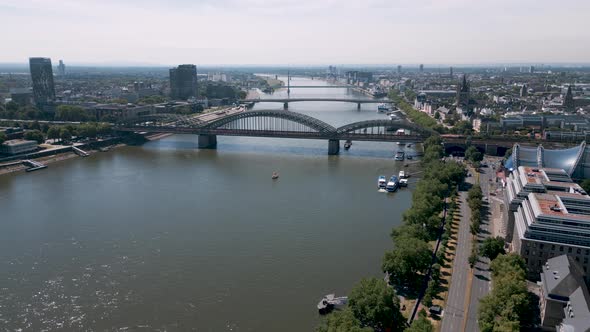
{"x": 421, "y": 68}
{"x": 61, "y": 68}
{"x": 399, "y": 69}
{"x": 42, "y": 77}
{"x": 451, "y": 72}
{"x": 568, "y": 101}
{"x": 183, "y": 82}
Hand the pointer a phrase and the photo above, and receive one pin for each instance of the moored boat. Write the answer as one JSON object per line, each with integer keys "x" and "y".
{"x": 403, "y": 182}
{"x": 275, "y": 175}
{"x": 399, "y": 155}
{"x": 392, "y": 184}
{"x": 382, "y": 182}
{"x": 382, "y": 108}
{"x": 330, "y": 302}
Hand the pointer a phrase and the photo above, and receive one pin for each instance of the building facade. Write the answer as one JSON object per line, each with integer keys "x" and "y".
{"x": 42, "y": 77}
{"x": 183, "y": 82}
{"x": 18, "y": 146}
{"x": 552, "y": 224}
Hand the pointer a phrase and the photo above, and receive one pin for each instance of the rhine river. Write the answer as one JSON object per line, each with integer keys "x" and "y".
{"x": 171, "y": 238}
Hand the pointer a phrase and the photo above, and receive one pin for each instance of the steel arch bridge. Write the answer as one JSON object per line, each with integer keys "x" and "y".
{"x": 281, "y": 121}
{"x": 280, "y": 124}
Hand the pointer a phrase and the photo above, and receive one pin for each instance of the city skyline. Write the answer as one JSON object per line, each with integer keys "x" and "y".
{"x": 285, "y": 32}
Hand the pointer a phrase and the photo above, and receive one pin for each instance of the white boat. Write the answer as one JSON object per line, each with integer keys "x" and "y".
{"x": 275, "y": 175}
{"x": 392, "y": 184}
{"x": 402, "y": 174}
{"x": 347, "y": 144}
{"x": 399, "y": 155}
{"x": 382, "y": 108}
{"x": 382, "y": 182}
{"x": 403, "y": 182}
{"x": 330, "y": 302}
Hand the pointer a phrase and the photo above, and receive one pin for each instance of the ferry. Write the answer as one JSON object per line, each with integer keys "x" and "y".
{"x": 382, "y": 182}
{"x": 399, "y": 156}
{"x": 382, "y": 108}
{"x": 392, "y": 184}
{"x": 330, "y": 302}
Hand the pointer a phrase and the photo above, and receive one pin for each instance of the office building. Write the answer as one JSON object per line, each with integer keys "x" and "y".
{"x": 552, "y": 224}
{"x": 18, "y": 146}
{"x": 21, "y": 96}
{"x": 183, "y": 82}
{"x": 421, "y": 68}
{"x": 43, "y": 86}
{"x": 564, "y": 302}
{"x": 399, "y": 69}
{"x": 61, "y": 68}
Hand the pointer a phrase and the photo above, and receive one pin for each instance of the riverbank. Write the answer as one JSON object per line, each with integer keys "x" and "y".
{"x": 17, "y": 166}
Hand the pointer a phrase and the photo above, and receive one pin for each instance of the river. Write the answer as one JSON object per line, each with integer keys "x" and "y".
{"x": 168, "y": 237}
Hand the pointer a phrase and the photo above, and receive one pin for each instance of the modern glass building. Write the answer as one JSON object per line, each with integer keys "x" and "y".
{"x": 575, "y": 161}
{"x": 42, "y": 77}
{"x": 183, "y": 82}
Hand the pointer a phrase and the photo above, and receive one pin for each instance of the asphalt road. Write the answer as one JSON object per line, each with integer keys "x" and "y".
{"x": 454, "y": 312}
{"x": 481, "y": 275}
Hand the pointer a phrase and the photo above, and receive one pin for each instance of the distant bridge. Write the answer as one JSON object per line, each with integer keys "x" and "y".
{"x": 281, "y": 124}
{"x": 286, "y": 101}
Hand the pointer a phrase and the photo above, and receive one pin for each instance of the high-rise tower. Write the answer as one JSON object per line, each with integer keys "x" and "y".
{"x": 42, "y": 77}
{"x": 183, "y": 82}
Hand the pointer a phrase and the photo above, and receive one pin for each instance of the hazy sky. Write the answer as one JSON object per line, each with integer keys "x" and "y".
{"x": 296, "y": 31}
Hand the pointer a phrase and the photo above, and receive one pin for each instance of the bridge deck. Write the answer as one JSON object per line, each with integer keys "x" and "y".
{"x": 291, "y": 100}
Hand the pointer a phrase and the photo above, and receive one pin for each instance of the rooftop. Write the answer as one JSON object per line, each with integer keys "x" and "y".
{"x": 14, "y": 142}
{"x": 552, "y": 204}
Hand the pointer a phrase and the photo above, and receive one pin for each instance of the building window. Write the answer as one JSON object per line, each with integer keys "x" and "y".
{"x": 540, "y": 263}
{"x": 569, "y": 250}
{"x": 560, "y": 248}
{"x": 541, "y": 246}
{"x": 577, "y": 259}
{"x": 585, "y": 260}
{"x": 552, "y": 247}
{"x": 587, "y": 252}
{"x": 526, "y": 252}
{"x": 579, "y": 251}
{"x": 534, "y": 253}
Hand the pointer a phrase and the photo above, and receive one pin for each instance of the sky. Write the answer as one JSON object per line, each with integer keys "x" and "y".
{"x": 296, "y": 32}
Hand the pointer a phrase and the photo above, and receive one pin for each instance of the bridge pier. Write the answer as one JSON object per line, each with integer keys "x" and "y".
{"x": 333, "y": 147}
{"x": 286, "y": 106}
{"x": 207, "y": 141}
{"x": 358, "y": 106}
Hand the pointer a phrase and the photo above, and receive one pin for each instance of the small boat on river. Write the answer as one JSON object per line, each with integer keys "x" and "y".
{"x": 275, "y": 175}
{"x": 330, "y": 302}
{"x": 347, "y": 144}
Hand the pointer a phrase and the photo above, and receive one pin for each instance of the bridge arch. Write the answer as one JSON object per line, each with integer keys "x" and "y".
{"x": 271, "y": 120}
{"x": 381, "y": 127}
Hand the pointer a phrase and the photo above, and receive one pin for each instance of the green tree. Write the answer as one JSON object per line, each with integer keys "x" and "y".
{"x": 53, "y": 132}
{"x": 35, "y": 135}
{"x": 422, "y": 324}
{"x": 409, "y": 258}
{"x": 507, "y": 307}
{"x": 586, "y": 185}
{"x": 492, "y": 247}
{"x": 473, "y": 155}
{"x": 375, "y": 304}
{"x": 71, "y": 113}
{"x": 65, "y": 134}
{"x": 342, "y": 321}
